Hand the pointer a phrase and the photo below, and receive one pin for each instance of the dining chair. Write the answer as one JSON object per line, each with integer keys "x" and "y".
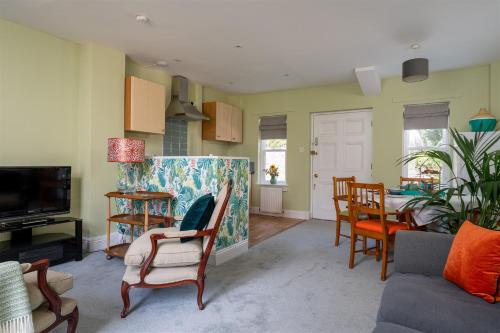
{"x": 369, "y": 199}
{"x": 340, "y": 198}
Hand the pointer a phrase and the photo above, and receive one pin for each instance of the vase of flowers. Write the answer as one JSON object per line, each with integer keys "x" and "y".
{"x": 273, "y": 172}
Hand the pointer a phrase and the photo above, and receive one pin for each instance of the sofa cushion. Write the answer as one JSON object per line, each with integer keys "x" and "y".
{"x": 59, "y": 282}
{"x": 384, "y": 327}
{"x": 171, "y": 252}
{"x": 161, "y": 275}
{"x": 474, "y": 261}
{"x": 432, "y": 304}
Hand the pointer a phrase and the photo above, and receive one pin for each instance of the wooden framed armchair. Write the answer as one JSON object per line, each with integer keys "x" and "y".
{"x": 158, "y": 258}
{"x": 44, "y": 287}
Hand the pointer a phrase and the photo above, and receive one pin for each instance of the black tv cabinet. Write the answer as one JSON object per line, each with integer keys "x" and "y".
{"x": 26, "y": 247}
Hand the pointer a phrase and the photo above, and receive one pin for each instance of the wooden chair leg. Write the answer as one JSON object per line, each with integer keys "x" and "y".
{"x": 377, "y": 250}
{"x": 201, "y": 286}
{"x": 73, "y": 321}
{"x": 353, "y": 250}
{"x": 385, "y": 254}
{"x": 337, "y": 232}
{"x": 365, "y": 247}
{"x": 126, "y": 299}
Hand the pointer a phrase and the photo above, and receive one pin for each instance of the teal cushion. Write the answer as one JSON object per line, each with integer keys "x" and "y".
{"x": 198, "y": 215}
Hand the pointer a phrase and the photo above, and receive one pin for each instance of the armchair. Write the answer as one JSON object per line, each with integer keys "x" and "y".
{"x": 44, "y": 287}
{"x": 158, "y": 259}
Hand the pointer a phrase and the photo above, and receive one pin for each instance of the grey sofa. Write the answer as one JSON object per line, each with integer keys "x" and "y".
{"x": 416, "y": 298}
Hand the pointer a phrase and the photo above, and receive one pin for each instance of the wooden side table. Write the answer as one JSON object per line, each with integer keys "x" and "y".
{"x": 132, "y": 219}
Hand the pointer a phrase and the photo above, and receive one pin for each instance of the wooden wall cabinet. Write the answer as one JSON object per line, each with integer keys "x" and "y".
{"x": 225, "y": 124}
{"x": 144, "y": 106}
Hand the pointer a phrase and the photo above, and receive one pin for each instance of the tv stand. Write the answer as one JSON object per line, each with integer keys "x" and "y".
{"x": 26, "y": 247}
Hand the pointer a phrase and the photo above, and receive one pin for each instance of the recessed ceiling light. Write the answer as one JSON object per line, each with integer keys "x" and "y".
{"x": 142, "y": 19}
{"x": 415, "y": 46}
{"x": 238, "y": 46}
{"x": 177, "y": 60}
{"x": 286, "y": 74}
{"x": 230, "y": 82}
{"x": 161, "y": 63}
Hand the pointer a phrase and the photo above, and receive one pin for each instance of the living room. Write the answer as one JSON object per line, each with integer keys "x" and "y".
{"x": 139, "y": 111}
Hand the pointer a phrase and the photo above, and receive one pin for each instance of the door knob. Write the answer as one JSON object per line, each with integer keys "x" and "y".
{"x": 316, "y": 175}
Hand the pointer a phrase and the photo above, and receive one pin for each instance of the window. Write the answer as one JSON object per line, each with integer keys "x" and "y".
{"x": 426, "y": 128}
{"x": 272, "y": 147}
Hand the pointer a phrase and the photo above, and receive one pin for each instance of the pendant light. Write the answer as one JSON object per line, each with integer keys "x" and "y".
{"x": 416, "y": 69}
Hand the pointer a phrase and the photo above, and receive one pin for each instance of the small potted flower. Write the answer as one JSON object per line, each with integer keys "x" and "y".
{"x": 273, "y": 172}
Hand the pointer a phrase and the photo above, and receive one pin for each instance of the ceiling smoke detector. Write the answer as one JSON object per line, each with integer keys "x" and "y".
{"x": 142, "y": 19}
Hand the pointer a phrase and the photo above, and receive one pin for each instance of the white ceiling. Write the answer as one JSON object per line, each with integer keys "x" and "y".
{"x": 313, "y": 41}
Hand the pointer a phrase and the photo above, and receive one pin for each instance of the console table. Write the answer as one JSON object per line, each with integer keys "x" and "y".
{"x": 135, "y": 219}
{"x": 26, "y": 247}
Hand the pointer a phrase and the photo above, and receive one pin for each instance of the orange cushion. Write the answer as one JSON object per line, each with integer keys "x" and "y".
{"x": 376, "y": 226}
{"x": 474, "y": 261}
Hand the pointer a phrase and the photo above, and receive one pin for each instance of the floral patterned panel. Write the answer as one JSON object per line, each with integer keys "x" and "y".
{"x": 187, "y": 179}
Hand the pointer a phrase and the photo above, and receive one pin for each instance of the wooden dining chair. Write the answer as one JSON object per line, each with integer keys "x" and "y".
{"x": 369, "y": 199}
{"x": 340, "y": 194}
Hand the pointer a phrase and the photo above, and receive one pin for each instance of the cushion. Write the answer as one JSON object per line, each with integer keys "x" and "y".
{"x": 171, "y": 252}
{"x": 198, "y": 215}
{"x": 43, "y": 318}
{"x": 59, "y": 282}
{"x": 474, "y": 261}
{"x": 376, "y": 226}
{"x": 161, "y": 275}
{"x": 433, "y": 304}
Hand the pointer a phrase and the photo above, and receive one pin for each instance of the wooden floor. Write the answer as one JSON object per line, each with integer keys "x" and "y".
{"x": 263, "y": 227}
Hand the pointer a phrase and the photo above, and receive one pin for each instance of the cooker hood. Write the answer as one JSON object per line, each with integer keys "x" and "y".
{"x": 180, "y": 107}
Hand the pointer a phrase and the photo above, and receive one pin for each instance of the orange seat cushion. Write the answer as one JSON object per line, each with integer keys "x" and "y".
{"x": 474, "y": 261}
{"x": 376, "y": 226}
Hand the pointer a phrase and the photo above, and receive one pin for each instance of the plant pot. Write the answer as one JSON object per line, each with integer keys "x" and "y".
{"x": 273, "y": 180}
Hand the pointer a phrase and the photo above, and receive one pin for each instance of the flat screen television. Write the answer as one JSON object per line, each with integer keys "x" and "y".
{"x": 30, "y": 192}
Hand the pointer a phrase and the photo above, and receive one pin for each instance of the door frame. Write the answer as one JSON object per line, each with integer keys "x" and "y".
{"x": 311, "y": 141}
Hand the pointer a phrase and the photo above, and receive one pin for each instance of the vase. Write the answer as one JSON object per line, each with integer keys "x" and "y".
{"x": 483, "y": 121}
{"x": 273, "y": 180}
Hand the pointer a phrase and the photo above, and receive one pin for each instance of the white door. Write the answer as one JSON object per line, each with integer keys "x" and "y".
{"x": 341, "y": 146}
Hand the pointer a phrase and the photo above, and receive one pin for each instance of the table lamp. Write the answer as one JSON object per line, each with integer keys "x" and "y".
{"x": 125, "y": 150}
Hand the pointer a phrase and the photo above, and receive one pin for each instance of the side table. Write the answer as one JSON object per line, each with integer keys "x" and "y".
{"x": 132, "y": 219}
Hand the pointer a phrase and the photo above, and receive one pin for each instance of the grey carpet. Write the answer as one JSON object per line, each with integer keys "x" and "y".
{"x": 293, "y": 282}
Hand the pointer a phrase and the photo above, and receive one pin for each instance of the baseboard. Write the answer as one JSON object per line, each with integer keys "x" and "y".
{"x": 228, "y": 253}
{"x": 292, "y": 214}
{"x": 98, "y": 243}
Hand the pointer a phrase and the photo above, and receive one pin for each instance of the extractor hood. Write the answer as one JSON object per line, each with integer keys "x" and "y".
{"x": 180, "y": 107}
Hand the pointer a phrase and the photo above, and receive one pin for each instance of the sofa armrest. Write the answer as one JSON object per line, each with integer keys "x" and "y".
{"x": 421, "y": 252}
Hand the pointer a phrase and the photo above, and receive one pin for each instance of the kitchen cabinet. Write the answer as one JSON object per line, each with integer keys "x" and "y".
{"x": 225, "y": 124}
{"x": 144, "y": 106}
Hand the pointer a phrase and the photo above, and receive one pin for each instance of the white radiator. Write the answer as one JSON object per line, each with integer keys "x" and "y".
{"x": 271, "y": 199}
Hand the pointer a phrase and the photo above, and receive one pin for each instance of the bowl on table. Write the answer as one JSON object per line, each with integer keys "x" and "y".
{"x": 395, "y": 191}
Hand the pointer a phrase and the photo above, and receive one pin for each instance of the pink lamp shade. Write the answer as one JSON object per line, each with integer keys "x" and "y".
{"x": 125, "y": 150}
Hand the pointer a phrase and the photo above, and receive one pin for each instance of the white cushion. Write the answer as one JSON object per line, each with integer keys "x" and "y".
{"x": 161, "y": 275}
{"x": 171, "y": 252}
{"x": 213, "y": 219}
{"x": 43, "y": 317}
{"x": 59, "y": 282}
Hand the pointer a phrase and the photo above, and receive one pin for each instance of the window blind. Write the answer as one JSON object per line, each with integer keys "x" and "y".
{"x": 272, "y": 127}
{"x": 426, "y": 116}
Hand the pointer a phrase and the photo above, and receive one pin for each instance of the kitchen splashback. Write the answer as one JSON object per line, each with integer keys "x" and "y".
{"x": 175, "y": 138}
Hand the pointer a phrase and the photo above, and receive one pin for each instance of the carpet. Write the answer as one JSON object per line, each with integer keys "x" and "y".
{"x": 296, "y": 281}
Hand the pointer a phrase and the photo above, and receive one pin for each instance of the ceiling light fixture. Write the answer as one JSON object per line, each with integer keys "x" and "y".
{"x": 286, "y": 75}
{"x": 161, "y": 63}
{"x": 177, "y": 60}
{"x": 238, "y": 46}
{"x": 142, "y": 19}
{"x": 416, "y": 69}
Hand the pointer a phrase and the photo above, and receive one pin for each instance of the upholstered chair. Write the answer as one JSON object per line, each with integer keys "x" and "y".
{"x": 44, "y": 287}
{"x": 158, "y": 259}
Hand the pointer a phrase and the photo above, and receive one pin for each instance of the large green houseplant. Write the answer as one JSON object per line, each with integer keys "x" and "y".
{"x": 478, "y": 192}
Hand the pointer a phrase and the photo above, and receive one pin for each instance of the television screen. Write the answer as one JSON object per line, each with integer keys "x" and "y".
{"x": 34, "y": 191}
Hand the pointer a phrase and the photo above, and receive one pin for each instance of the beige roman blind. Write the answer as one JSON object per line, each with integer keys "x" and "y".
{"x": 426, "y": 116}
{"x": 273, "y": 127}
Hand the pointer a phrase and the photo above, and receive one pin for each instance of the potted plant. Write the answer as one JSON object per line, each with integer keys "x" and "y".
{"x": 478, "y": 192}
{"x": 273, "y": 172}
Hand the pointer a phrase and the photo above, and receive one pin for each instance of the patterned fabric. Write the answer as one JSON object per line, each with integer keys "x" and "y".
{"x": 15, "y": 308}
{"x": 127, "y": 150}
{"x": 187, "y": 179}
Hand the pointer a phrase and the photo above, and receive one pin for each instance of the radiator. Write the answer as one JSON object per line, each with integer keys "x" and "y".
{"x": 271, "y": 199}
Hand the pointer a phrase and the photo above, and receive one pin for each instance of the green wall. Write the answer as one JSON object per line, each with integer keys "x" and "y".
{"x": 467, "y": 90}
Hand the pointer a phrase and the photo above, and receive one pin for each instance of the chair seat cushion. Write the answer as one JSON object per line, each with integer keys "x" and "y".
{"x": 43, "y": 317}
{"x": 171, "y": 252}
{"x": 376, "y": 226}
{"x": 161, "y": 275}
{"x": 59, "y": 282}
{"x": 432, "y": 304}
